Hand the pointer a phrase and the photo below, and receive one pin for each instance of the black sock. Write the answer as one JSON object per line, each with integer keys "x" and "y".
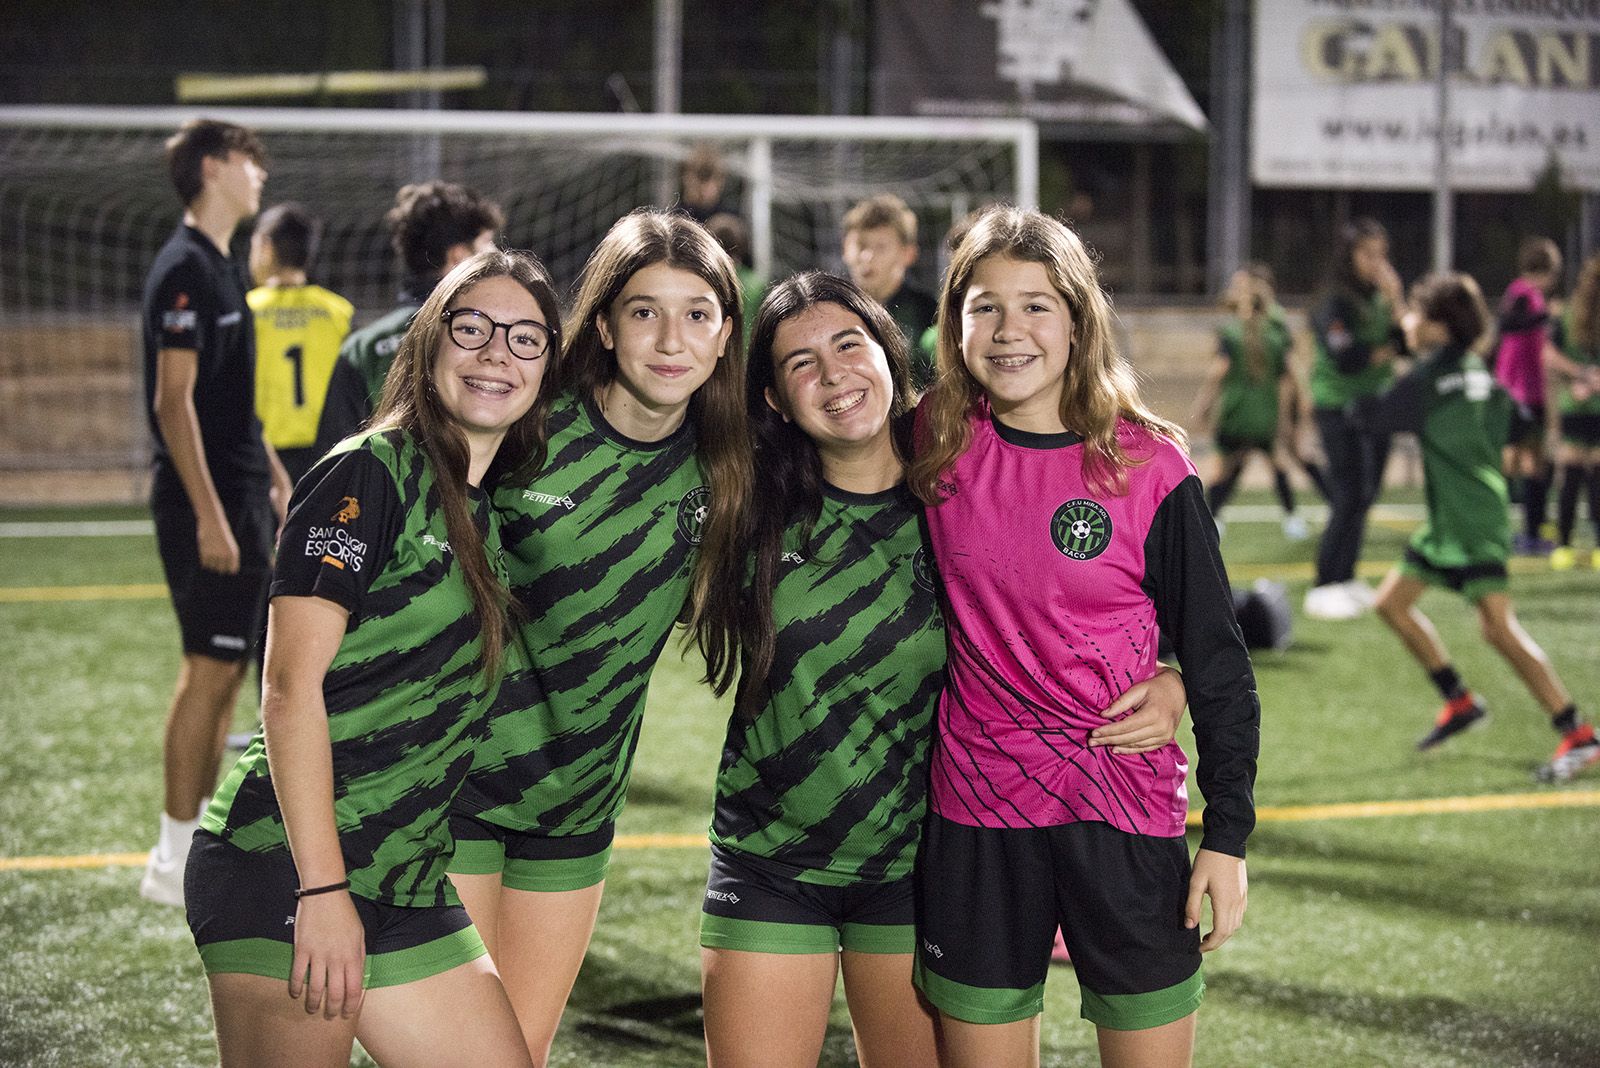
{"x": 1318, "y": 479}
{"x": 1448, "y": 682}
{"x": 1220, "y": 491}
{"x": 1594, "y": 502}
{"x": 1536, "y": 496}
{"x": 1280, "y": 483}
{"x": 1565, "y": 721}
{"x": 1573, "y": 478}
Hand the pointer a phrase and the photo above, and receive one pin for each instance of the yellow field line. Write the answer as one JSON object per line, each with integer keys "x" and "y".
{"x": 1267, "y": 814}
{"x": 38, "y": 594}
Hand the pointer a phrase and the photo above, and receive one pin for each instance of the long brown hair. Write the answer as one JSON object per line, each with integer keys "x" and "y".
{"x": 788, "y": 467}
{"x": 411, "y": 403}
{"x": 647, "y": 238}
{"x": 1586, "y": 308}
{"x": 1100, "y": 384}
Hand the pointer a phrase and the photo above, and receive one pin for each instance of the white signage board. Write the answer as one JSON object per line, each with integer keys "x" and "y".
{"x": 1346, "y": 93}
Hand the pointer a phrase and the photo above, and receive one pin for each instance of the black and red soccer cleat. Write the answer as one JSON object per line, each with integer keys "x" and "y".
{"x": 1579, "y": 749}
{"x": 1456, "y": 716}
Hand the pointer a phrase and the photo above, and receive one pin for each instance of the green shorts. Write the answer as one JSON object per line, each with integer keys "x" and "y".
{"x": 538, "y": 862}
{"x": 1474, "y": 582}
{"x": 241, "y": 910}
{"x": 764, "y": 906}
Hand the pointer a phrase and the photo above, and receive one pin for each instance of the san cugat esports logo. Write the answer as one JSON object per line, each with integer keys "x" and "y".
{"x": 335, "y": 544}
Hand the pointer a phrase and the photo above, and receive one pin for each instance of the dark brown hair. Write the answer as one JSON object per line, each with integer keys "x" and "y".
{"x": 1100, "y": 385}
{"x": 200, "y": 139}
{"x": 1453, "y": 300}
{"x": 647, "y": 238}
{"x": 293, "y": 234}
{"x": 411, "y": 403}
{"x": 430, "y": 218}
{"x": 788, "y": 467}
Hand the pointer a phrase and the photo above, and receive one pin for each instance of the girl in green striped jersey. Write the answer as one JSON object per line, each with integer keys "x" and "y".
{"x": 649, "y": 459}
{"x": 320, "y": 863}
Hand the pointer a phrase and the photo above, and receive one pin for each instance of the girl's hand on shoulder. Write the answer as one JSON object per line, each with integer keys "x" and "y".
{"x": 1150, "y": 712}
{"x": 331, "y": 945}
{"x": 1222, "y": 878}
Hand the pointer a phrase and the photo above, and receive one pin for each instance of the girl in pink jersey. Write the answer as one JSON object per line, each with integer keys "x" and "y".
{"x": 1071, "y": 532}
{"x": 1519, "y": 362}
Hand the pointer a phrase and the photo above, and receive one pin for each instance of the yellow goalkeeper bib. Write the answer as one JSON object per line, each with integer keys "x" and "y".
{"x": 298, "y": 332}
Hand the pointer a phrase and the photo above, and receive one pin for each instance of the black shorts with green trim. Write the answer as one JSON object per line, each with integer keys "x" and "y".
{"x": 539, "y": 862}
{"x": 1527, "y": 426}
{"x": 764, "y": 906}
{"x": 1230, "y": 443}
{"x": 990, "y": 900}
{"x": 1474, "y": 582}
{"x": 1581, "y": 429}
{"x": 241, "y": 910}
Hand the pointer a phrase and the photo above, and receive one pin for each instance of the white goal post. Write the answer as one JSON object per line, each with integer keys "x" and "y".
{"x": 85, "y": 205}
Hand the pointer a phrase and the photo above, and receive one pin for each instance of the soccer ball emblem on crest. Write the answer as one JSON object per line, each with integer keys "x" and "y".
{"x": 692, "y": 513}
{"x": 1081, "y": 529}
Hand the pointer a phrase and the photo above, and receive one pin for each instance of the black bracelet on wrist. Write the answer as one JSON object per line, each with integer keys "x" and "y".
{"x": 330, "y": 888}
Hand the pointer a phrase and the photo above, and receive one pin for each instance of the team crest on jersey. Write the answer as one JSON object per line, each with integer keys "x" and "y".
{"x": 692, "y": 513}
{"x": 924, "y": 572}
{"x": 1081, "y": 529}
{"x": 349, "y": 510}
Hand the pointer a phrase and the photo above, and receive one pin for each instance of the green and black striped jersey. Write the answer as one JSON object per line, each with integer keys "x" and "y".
{"x": 831, "y": 775}
{"x": 599, "y": 548}
{"x": 405, "y": 695}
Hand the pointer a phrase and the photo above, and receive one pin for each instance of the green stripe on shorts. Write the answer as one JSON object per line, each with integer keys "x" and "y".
{"x": 477, "y": 856}
{"x": 273, "y": 959}
{"x": 1139, "y": 1012}
{"x": 977, "y": 1004}
{"x": 555, "y": 875}
{"x": 764, "y": 936}
{"x": 878, "y": 937}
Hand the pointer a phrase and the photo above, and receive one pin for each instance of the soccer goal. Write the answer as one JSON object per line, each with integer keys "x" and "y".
{"x": 85, "y": 204}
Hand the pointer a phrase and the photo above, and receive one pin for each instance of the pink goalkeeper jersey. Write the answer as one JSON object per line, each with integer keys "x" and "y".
{"x": 1519, "y": 363}
{"x": 1053, "y": 608}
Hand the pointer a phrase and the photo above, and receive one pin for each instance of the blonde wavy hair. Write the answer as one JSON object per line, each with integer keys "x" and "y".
{"x": 1101, "y": 387}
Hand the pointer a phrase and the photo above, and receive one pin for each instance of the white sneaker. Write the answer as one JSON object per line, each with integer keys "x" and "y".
{"x": 1333, "y": 601}
{"x": 1362, "y": 594}
{"x": 163, "y": 871}
{"x": 1294, "y": 528}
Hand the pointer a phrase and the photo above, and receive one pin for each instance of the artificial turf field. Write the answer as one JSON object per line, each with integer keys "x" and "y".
{"x": 1424, "y": 934}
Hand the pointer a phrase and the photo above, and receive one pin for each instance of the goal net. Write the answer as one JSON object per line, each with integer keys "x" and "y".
{"x": 85, "y": 205}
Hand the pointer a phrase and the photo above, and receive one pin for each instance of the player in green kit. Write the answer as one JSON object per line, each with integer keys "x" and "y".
{"x": 821, "y": 793}
{"x": 649, "y": 458}
{"x": 1249, "y": 396}
{"x": 1462, "y": 416}
{"x": 319, "y": 866}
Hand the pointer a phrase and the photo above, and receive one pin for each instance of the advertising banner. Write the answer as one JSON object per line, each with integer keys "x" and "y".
{"x": 1346, "y": 93}
{"x": 1055, "y": 61}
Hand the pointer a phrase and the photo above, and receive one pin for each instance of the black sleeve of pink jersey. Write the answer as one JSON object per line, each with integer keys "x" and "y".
{"x": 1185, "y": 579}
{"x": 182, "y": 307}
{"x": 343, "y": 522}
{"x": 1521, "y": 316}
{"x": 1399, "y": 409}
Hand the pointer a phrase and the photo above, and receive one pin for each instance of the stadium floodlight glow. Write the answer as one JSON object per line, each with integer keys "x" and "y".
{"x": 197, "y": 88}
{"x": 85, "y": 204}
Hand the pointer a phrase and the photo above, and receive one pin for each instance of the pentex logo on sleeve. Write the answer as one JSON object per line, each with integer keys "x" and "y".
{"x": 1081, "y": 529}
{"x": 180, "y": 318}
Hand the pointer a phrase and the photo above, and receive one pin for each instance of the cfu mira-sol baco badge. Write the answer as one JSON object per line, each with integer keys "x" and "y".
{"x": 1081, "y": 529}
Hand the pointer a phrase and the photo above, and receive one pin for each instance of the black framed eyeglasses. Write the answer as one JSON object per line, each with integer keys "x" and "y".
{"x": 471, "y": 330}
